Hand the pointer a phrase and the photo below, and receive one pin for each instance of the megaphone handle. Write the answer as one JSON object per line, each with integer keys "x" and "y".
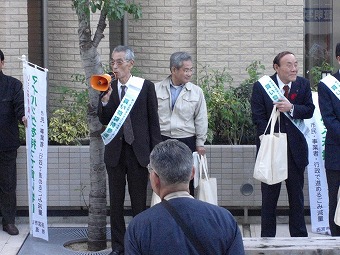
{"x": 103, "y": 94}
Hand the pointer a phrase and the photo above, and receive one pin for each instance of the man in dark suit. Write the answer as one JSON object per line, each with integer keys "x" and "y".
{"x": 127, "y": 155}
{"x": 299, "y": 105}
{"x": 12, "y": 111}
{"x": 329, "y": 105}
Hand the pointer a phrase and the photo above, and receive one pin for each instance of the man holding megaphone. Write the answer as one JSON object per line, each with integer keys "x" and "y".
{"x": 129, "y": 109}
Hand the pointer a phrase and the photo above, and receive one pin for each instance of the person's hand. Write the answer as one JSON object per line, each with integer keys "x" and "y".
{"x": 24, "y": 120}
{"x": 106, "y": 97}
{"x": 283, "y": 105}
{"x": 200, "y": 150}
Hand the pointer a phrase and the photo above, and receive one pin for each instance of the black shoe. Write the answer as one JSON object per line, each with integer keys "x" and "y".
{"x": 10, "y": 229}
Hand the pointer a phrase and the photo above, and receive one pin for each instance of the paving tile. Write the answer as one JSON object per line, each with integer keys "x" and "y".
{"x": 10, "y": 245}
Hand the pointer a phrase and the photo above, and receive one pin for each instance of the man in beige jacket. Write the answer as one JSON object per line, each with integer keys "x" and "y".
{"x": 182, "y": 108}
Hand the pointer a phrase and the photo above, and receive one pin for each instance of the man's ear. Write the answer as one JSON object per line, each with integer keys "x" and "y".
{"x": 131, "y": 64}
{"x": 155, "y": 181}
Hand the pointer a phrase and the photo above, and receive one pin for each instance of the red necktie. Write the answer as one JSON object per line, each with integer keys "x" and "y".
{"x": 286, "y": 89}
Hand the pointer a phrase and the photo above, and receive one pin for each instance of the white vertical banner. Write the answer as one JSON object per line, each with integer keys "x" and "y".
{"x": 35, "y": 85}
{"x": 317, "y": 181}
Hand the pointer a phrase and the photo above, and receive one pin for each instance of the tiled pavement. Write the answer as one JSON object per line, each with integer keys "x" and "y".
{"x": 10, "y": 245}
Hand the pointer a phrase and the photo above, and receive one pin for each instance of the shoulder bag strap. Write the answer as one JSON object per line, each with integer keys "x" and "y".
{"x": 194, "y": 241}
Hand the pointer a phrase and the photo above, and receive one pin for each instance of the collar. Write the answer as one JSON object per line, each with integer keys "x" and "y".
{"x": 126, "y": 84}
{"x": 281, "y": 84}
{"x": 175, "y": 86}
{"x": 178, "y": 194}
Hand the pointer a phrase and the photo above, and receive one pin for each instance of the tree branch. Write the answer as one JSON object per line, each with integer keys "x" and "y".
{"x": 99, "y": 35}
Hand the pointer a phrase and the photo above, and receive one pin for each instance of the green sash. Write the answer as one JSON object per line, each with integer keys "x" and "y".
{"x": 123, "y": 109}
{"x": 275, "y": 94}
{"x": 333, "y": 84}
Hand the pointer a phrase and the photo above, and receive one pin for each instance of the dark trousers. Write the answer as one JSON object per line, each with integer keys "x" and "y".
{"x": 137, "y": 177}
{"x": 191, "y": 143}
{"x": 333, "y": 181}
{"x": 8, "y": 184}
{"x": 270, "y": 196}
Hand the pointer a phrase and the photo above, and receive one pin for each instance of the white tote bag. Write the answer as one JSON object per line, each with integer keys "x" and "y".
{"x": 207, "y": 187}
{"x": 196, "y": 157}
{"x": 271, "y": 164}
{"x": 337, "y": 211}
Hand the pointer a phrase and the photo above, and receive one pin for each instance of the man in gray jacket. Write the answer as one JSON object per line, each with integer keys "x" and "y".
{"x": 182, "y": 108}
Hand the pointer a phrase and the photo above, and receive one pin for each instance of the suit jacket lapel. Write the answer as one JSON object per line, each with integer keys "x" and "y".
{"x": 115, "y": 93}
{"x": 294, "y": 91}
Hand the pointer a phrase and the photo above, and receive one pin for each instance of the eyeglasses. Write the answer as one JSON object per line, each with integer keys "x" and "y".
{"x": 118, "y": 62}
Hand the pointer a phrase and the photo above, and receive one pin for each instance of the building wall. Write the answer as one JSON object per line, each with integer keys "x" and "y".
{"x": 13, "y": 35}
{"x": 64, "y": 55}
{"x": 166, "y": 27}
{"x": 228, "y": 33}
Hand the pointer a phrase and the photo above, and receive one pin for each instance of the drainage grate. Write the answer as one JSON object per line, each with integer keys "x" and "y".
{"x": 57, "y": 238}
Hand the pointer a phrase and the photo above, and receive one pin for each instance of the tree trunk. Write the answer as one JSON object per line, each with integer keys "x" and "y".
{"x": 97, "y": 199}
{"x": 115, "y": 10}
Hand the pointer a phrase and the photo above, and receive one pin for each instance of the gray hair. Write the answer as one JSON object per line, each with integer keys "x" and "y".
{"x": 177, "y": 58}
{"x": 129, "y": 54}
{"x": 172, "y": 161}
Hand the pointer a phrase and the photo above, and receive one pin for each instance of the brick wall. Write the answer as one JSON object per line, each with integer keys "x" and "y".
{"x": 13, "y": 35}
{"x": 63, "y": 49}
{"x": 166, "y": 27}
{"x": 229, "y": 33}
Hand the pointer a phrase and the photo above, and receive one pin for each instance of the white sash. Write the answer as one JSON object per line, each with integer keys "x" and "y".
{"x": 333, "y": 84}
{"x": 275, "y": 94}
{"x": 123, "y": 110}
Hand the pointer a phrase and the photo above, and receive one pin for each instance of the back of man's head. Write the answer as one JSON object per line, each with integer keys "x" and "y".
{"x": 172, "y": 161}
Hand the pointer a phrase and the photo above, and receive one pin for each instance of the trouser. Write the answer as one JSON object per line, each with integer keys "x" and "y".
{"x": 333, "y": 181}
{"x": 270, "y": 196}
{"x": 191, "y": 143}
{"x": 8, "y": 183}
{"x": 137, "y": 177}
